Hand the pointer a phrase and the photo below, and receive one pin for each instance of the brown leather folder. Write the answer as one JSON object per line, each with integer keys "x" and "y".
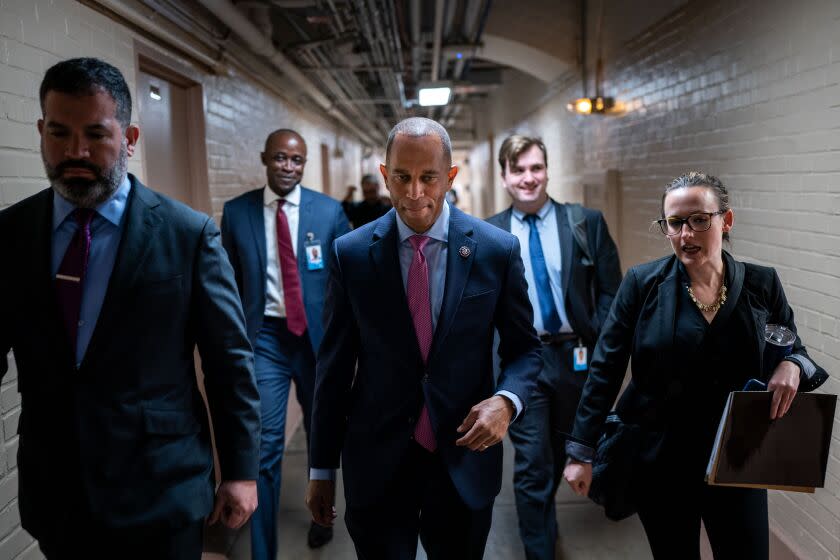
{"x": 789, "y": 453}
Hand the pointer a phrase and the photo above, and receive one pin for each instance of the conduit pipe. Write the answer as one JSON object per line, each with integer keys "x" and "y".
{"x": 262, "y": 45}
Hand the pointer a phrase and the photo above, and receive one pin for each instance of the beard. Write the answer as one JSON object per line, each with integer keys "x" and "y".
{"x": 87, "y": 193}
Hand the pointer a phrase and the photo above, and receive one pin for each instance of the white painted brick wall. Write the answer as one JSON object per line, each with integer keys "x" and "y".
{"x": 748, "y": 90}
{"x": 34, "y": 35}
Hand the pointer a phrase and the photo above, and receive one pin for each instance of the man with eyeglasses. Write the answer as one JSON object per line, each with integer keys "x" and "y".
{"x": 277, "y": 238}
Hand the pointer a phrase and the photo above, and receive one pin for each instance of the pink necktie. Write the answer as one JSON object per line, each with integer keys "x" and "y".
{"x": 292, "y": 292}
{"x": 419, "y": 304}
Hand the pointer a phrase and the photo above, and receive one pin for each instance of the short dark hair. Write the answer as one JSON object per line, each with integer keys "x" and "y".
{"x": 283, "y": 131}
{"x": 369, "y": 178}
{"x": 87, "y": 76}
{"x": 699, "y": 179}
{"x": 514, "y": 146}
{"x": 416, "y": 127}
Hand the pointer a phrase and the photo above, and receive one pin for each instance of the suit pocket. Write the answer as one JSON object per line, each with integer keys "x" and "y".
{"x": 163, "y": 286}
{"x": 174, "y": 447}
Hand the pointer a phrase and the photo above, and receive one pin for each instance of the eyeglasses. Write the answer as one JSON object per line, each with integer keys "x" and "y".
{"x": 297, "y": 161}
{"x": 701, "y": 221}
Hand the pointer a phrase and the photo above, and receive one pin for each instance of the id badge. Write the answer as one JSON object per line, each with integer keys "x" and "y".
{"x": 579, "y": 357}
{"x": 314, "y": 254}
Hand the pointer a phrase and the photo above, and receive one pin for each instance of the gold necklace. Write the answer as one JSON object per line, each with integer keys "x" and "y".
{"x": 711, "y": 308}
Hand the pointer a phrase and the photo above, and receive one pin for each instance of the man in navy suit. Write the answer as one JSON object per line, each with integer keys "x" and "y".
{"x": 109, "y": 287}
{"x": 413, "y": 299}
{"x": 276, "y": 238}
{"x": 571, "y": 286}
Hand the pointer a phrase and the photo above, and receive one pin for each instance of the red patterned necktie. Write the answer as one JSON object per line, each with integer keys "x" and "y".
{"x": 419, "y": 304}
{"x": 292, "y": 292}
{"x": 71, "y": 274}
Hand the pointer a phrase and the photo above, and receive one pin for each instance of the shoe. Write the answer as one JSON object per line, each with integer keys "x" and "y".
{"x": 319, "y": 535}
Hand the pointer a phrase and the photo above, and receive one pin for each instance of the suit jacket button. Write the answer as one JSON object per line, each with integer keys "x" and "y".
{"x": 426, "y": 378}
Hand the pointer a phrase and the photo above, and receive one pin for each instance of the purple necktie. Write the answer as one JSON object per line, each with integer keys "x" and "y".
{"x": 419, "y": 304}
{"x": 71, "y": 274}
{"x": 292, "y": 292}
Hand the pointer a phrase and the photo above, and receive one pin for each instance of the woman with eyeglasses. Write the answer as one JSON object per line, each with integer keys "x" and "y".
{"x": 693, "y": 323}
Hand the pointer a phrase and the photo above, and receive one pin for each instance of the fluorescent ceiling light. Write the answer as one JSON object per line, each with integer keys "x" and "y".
{"x": 438, "y": 95}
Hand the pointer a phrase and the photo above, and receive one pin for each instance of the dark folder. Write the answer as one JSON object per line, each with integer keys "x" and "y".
{"x": 789, "y": 453}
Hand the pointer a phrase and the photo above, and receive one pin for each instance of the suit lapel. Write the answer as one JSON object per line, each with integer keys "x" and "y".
{"x": 666, "y": 314}
{"x": 257, "y": 221}
{"x": 388, "y": 280}
{"x": 43, "y": 288}
{"x": 564, "y": 231}
{"x": 505, "y": 219}
{"x": 141, "y": 224}
{"x": 457, "y": 272}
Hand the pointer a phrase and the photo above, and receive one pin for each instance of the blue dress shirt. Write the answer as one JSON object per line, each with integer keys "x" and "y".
{"x": 550, "y": 240}
{"x": 106, "y": 231}
{"x": 436, "y": 251}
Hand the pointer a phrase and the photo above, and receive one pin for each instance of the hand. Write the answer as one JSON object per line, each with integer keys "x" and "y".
{"x": 487, "y": 423}
{"x": 783, "y": 384}
{"x": 579, "y": 477}
{"x": 236, "y": 500}
{"x": 320, "y": 499}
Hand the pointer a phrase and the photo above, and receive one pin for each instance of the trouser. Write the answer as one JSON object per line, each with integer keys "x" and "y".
{"x": 422, "y": 501}
{"x": 279, "y": 358}
{"x": 540, "y": 449}
{"x": 735, "y": 520}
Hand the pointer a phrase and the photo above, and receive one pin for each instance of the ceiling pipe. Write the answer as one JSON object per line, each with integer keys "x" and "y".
{"x": 147, "y": 23}
{"x": 416, "y": 47}
{"x": 264, "y": 46}
{"x": 438, "y": 40}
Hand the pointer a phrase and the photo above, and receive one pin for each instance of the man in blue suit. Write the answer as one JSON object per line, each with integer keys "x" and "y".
{"x": 277, "y": 238}
{"x": 413, "y": 299}
{"x": 109, "y": 288}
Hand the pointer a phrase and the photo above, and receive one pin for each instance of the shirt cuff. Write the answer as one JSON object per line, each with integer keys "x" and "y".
{"x": 322, "y": 474}
{"x": 579, "y": 452}
{"x": 517, "y": 404}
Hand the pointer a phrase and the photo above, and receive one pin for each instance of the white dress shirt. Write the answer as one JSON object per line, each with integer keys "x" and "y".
{"x": 274, "y": 303}
{"x": 550, "y": 241}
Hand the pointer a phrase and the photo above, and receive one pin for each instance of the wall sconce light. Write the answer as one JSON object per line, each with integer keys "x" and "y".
{"x": 589, "y": 105}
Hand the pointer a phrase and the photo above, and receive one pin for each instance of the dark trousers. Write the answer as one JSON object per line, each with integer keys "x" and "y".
{"x": 540, "y": 449}
{"x": 735, "y": 520}
{"x": 279, "y": 358}
{"x": 83, "y": 538}
{"x": 420, "y": 501}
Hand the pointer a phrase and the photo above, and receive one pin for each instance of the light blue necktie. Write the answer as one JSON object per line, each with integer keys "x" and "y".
{"x": 551, "y": 319}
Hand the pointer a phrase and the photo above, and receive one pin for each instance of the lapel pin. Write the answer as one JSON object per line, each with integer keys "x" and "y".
{"x": 464, "y": 251}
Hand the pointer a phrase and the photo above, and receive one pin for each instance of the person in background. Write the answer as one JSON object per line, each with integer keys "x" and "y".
{"x": 110, "y": 287}
{"x": 369, "y": 208}
{"x": 276, "y": 237}
{"x": 571, "y": 288}
{"x": 693, "y": 324}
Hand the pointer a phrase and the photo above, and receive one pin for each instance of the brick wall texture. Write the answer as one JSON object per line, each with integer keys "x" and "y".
{"x": 34, "y": 35}
{"x": 748, "y": 90}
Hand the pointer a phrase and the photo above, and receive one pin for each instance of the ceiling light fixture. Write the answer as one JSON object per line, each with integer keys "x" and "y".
{"x": 432, "y": 95}
{"x": 599, "y": 104}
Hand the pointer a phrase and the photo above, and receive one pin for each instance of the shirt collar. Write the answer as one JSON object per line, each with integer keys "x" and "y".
{"x": 439, "y": 230}
{"x": 541, "y": 213}
{"x": 112, "y": 209}
{"x": 293, "y": 198}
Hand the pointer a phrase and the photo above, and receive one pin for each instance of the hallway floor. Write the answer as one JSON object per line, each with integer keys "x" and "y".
{"x": 585, "y": 534}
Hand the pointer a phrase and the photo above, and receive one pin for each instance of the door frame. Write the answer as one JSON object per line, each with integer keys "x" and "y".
{"x": 153, "y": 62}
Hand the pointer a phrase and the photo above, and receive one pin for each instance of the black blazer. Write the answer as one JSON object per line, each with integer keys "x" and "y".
{"x": 641, "y": 325}
{"x": 129, "y": 430}
{"x": 581, "y": 280}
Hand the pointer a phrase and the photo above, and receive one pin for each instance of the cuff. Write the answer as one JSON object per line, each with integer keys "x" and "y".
{"x": 321, "y": 474}
{"x": 580, "y": 452}
{"x": 517, "y": 404}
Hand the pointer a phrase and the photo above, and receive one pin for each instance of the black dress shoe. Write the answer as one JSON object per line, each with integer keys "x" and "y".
{"x": 319, "y": 535}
